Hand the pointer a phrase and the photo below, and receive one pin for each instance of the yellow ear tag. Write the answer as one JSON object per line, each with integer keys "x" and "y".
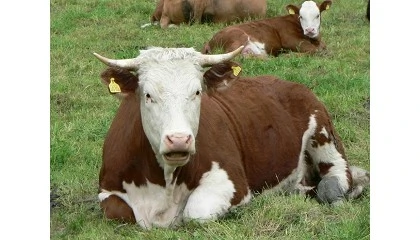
{"x": 114, "y": 87}
{"x": 327, "y": 7}
{"x": 236, "y": 70}
{"x": 291, "y": 11}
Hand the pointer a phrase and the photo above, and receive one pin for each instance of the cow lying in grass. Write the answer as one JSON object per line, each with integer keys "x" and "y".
{"x": 299, "y": 32}
{"x": 174, "y": 12}
{"x": 188, "y": 143}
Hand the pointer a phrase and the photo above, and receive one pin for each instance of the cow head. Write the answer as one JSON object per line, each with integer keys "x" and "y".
{"x": 310, "y": 16}
{"x": 170, "y": 83}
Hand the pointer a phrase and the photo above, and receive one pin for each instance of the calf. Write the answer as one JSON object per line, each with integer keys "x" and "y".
{"x": 175, "y": 12}
{"x": 299, "y": 32}
{"x": 189, "y": 143}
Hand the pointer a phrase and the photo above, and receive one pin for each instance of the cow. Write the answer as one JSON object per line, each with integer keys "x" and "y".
{"x": 299, "y": 31}
{"x": 174, "y": 12}
{"x": 193, "y": 139}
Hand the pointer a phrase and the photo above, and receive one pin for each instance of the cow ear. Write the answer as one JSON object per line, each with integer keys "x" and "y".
{"x": 220, "y": 76}
{"x": 119, "y": 81}
{"x": 292, "y": 9}
{"x": 325, "y": 5}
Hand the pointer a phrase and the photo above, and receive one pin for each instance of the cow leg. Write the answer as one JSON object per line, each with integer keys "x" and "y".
{"x": 303, "y": 46}
{"x": 212, "y": 198}
{"x": 116, "y": 208}
{"x": 164, "y": 21}
{"x": 329, "y": 161}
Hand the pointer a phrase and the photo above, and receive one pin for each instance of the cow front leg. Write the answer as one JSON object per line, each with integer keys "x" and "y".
{"x": 212, "y": 198}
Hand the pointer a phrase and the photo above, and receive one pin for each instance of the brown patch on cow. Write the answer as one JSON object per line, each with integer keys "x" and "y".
{"x": 117, "y": 209}
{"x": 127, "y": 81}
{"x": 220, "y": 76}
{"x": 319, "y": 138}
{"x": 324, "y": 168}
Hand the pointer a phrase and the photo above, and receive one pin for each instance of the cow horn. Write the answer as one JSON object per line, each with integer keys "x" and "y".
{"x": 208, "y": 60}
{"x": 129, "y": 64}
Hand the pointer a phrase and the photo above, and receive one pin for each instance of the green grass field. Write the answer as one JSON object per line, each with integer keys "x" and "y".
{"x": 82, "y": 110}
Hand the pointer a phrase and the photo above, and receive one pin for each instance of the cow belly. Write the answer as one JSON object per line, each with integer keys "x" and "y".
{"x": 152, "y": 204}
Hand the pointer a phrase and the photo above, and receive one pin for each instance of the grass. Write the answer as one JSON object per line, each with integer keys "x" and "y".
{"x": 82, "y": 110}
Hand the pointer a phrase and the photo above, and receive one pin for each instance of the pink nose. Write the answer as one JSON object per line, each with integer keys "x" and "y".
{"x": 310, "y": 30}
{"x": 178, "y": 142}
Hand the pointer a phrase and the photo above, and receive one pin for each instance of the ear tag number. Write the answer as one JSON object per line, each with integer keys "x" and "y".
{"x": 236, "y": 70}
{"x": 114, "y": 87}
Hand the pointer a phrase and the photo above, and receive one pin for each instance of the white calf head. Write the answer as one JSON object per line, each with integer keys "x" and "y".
{"x": 170, "y": 85}
{"x": 310, "y": 16}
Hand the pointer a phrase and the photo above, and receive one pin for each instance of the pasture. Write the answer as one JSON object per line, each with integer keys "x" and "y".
{"x": 82, "y": 110}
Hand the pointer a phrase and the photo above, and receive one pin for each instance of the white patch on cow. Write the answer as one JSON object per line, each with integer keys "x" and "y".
{"x": 324, "y": 132}
{"x": 211, "y": 198}
{"x": 152, "y": 204}
{"x": 301, "y": 169}
{"x": 155, "y": 23}
{"x": 254, "y": 48}
{"x": 310, "y": 19}
{"x": 103, "y": 195}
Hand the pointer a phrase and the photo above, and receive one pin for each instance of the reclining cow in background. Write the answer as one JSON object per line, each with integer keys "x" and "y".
{"x": 299, "y": 32}
{"x": 175, "y": 12}
{"x": 192, "y": 144}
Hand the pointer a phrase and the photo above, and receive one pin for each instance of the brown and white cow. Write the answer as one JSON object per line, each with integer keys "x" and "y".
{"x": 299, "y": 32}
{"x": 188, "y": 143}
{"x": 175, "y": 12}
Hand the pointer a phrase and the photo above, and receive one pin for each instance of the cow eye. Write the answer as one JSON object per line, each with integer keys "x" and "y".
{"x": 317, "y": 16}
{"x": 198, "y": 93}
{"x": 148, "y": 97}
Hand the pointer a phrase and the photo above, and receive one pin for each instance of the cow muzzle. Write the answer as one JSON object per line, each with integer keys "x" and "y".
{"x": 178, "y": 149}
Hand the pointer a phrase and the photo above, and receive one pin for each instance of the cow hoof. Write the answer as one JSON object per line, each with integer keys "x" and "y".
{"x": 329, "y": 191}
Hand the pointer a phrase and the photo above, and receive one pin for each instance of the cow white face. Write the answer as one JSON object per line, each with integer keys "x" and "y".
{"x": 310, "y": 19}
{"x": 170, "y": 96}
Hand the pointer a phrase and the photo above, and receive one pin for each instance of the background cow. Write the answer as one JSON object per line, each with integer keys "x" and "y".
{"x": 187, "y": 144}
{"x": 299, "y": 31}
{"x": 174, "y": 12}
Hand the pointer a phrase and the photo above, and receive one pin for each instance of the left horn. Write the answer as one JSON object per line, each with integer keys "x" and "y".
{"x": 208, "y": 60}
{"x": 130, "y": 64}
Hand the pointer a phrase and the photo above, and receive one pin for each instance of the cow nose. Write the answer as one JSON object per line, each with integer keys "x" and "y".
{"x": 178, "y": 142}
{"x": 310, "y": 30}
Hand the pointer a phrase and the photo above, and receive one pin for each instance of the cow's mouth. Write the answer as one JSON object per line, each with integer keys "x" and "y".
{"x": 177, "y": 158}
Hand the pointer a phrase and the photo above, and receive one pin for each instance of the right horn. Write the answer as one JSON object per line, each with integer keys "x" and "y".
{"x": 130, "y": 64}
{"x": 208, "y": 60}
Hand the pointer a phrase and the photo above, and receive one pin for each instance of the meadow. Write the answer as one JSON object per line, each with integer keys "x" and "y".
{"x": 81, "y": 111}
